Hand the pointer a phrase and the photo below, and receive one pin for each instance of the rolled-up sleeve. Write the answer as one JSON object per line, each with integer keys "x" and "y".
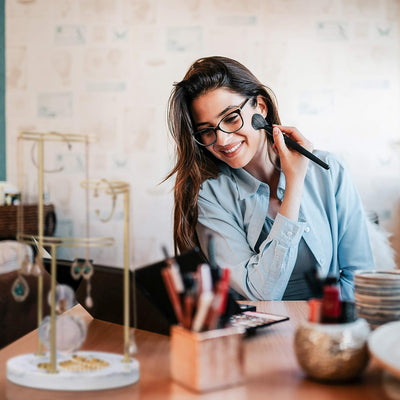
{"x": 257, "y": 275}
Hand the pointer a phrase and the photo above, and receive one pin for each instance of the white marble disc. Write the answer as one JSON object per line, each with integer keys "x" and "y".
{"x": 23, "y": 370}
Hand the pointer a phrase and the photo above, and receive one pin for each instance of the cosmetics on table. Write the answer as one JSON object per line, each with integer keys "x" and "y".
{"x": 201, "y": 301}
{"x": 252, "y": 320}
{"x": 207, "y": 341}
{"x": 326, "y": 305}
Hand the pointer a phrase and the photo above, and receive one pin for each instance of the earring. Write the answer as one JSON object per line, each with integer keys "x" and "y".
{"x": 132, "y": 346}
{"x": 88, "y": 300}
{"x": 37, "y": 267}
{"x": 76, "y": 271}
{"x": 26, "y": 266}
{"x": 87, "y": 272}
{"x": 20, "y": 289}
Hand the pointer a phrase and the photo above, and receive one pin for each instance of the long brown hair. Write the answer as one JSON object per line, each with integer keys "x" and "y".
{"x": 195, "y": 164}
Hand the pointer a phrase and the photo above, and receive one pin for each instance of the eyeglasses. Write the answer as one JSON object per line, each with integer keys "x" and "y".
{"x": 231, "y": 123}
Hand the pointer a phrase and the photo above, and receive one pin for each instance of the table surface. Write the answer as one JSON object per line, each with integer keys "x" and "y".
{"x": 270, "y": 366}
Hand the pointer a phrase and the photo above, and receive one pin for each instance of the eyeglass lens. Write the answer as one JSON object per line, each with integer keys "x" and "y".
{"x": 231, "y": 123}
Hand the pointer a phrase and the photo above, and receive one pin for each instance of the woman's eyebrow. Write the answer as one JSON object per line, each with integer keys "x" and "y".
{"x": 224, "y": 111}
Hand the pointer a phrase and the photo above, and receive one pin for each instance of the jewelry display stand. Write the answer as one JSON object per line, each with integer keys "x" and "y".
{"x": 80, "y": 370}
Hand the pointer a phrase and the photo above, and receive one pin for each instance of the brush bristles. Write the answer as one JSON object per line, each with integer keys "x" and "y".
{"x": 258, "y": 122}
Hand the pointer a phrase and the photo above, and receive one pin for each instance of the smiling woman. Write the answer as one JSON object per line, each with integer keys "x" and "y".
{"x": 224, "y": 141}
{"x": 274, "y": 216}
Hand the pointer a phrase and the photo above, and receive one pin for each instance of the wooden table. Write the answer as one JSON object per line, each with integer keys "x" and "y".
{"x": 271, "y": 368}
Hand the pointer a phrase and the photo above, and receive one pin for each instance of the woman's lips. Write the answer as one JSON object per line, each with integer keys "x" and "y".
{"x": 232, "y": 150}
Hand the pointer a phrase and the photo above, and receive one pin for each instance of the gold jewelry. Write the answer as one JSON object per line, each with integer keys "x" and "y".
{"x": 44, "y": 365}
{"x": 81, "y": 363}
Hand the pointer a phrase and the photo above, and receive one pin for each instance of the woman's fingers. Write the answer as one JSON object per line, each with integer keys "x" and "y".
{"x": 290, "y": 131}
{"x": 295, "y": 134}
{"x": 279, "y": 142}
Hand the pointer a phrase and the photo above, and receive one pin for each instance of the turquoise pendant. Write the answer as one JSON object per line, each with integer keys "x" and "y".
{"x": 20, "y": 289}
{"x": 87, "y": 269}
{"x": 76, "y": 271}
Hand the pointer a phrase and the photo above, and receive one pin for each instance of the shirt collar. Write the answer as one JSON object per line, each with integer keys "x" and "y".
{"x": 247, "y": 184}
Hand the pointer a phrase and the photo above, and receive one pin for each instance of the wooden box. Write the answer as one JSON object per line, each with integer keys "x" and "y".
{"x": 206, "y": 360}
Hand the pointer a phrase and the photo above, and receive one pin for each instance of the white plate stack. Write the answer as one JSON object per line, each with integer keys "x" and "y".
{"x": 377, "y": 296}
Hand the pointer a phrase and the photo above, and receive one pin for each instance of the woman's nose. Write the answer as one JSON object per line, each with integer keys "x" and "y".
{"x": 222, "y": 137}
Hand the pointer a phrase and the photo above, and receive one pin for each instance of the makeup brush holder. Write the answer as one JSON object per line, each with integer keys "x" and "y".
{"x": 207, "y": 360}
{"x": 332, "y": 352}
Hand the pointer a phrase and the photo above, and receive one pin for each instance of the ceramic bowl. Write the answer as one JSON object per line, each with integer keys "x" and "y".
{"x": 332, "y": 352}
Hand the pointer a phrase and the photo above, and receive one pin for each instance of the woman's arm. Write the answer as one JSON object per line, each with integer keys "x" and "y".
{"x": 257, "y": 275}
{"x": 294, "y": 166}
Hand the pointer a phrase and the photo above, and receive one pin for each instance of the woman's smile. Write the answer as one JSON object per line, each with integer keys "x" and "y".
{"x": 233, "y": 150}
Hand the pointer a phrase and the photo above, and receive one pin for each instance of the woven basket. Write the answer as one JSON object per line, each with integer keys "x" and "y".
{"x": 8, "y": 220}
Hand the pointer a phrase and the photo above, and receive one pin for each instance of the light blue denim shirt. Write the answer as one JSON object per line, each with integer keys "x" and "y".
{"x": 233, "y": 208}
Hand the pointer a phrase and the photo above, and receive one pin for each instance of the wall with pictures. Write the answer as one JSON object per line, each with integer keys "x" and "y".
{"x": 106, "y": 67}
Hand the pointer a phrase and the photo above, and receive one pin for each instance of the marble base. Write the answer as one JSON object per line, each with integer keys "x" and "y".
{"x": 23, "y": 370}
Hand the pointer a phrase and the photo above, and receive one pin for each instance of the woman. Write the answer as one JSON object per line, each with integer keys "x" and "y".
{"x": 274, "y": 215}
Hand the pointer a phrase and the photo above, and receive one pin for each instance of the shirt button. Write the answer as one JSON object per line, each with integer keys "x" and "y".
{"x": 321, "y": 260}
{"x": 307, "y": 229}
{"x": 289, "y": 233}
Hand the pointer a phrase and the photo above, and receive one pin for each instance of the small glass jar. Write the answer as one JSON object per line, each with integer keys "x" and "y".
{"x": 70, "y": 333}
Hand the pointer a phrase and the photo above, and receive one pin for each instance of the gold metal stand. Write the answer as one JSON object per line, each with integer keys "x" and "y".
{"x": 114, "y": 188}
{"x": 39, "y": 139}
{"x": 24, "y": 369}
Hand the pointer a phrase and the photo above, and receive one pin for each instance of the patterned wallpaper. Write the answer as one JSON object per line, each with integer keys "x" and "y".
{"x": 2, "y": 95}
{"x": 106, "y": 67}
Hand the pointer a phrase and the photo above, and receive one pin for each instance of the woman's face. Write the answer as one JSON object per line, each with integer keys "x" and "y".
{"x": 242, "y": 148}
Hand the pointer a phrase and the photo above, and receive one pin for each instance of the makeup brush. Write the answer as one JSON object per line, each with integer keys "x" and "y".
{"x": 259, "y": 122}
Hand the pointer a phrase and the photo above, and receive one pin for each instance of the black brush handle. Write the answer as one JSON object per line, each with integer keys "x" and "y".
{"x": 258, "y": 122}
{"x": 295, "y": 146}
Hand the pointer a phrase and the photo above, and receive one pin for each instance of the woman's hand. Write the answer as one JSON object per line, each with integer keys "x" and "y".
{"x": 294, "y": 165}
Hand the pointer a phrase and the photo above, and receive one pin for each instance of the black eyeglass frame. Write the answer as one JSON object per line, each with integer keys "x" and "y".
{"x": 215, "y": 128}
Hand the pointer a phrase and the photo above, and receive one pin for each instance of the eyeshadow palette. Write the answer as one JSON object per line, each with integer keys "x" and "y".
{"x": 252, "y": 320}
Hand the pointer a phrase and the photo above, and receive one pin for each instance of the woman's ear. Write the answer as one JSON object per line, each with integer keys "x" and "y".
{"x": 262, "y": 106}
